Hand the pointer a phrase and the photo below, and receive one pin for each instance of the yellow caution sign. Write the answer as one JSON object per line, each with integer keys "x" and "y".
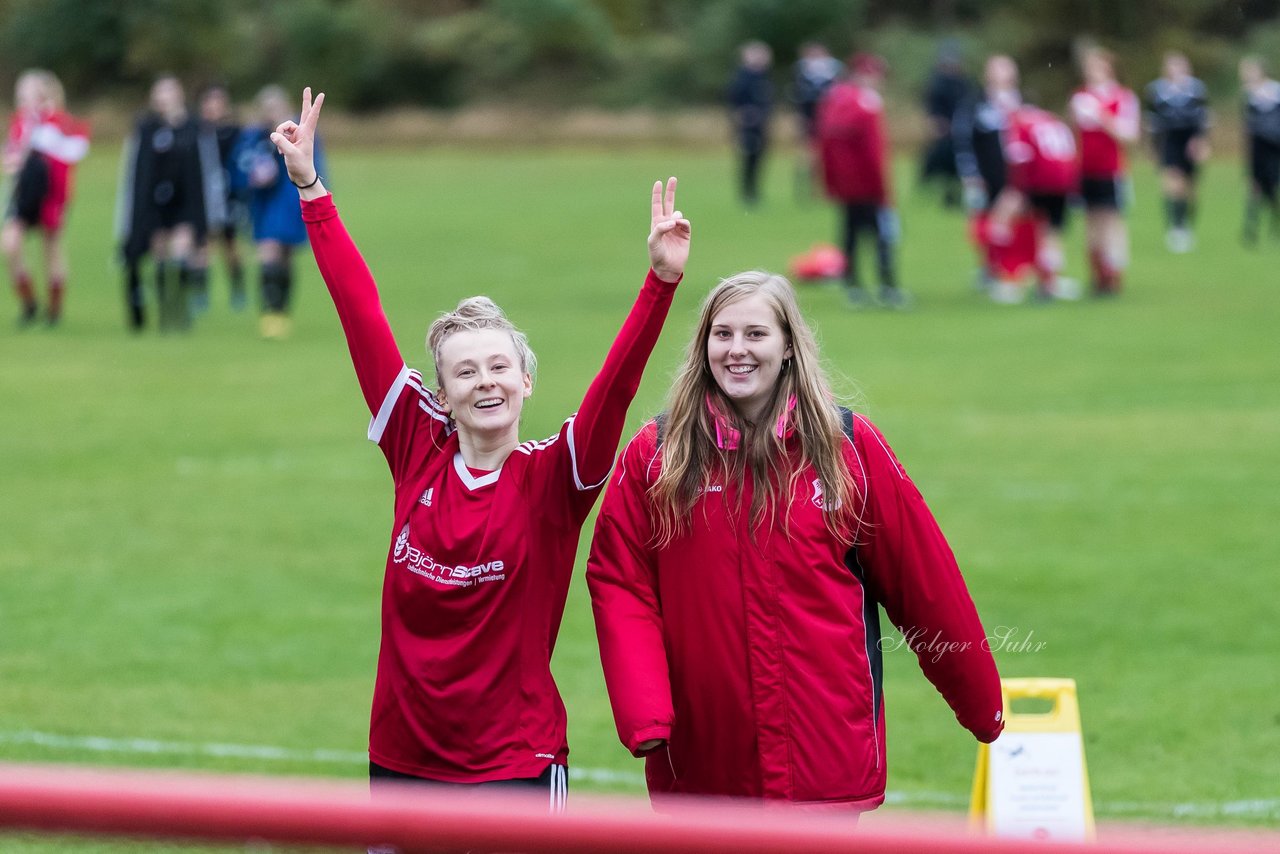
{"x": 1031, "y": 782}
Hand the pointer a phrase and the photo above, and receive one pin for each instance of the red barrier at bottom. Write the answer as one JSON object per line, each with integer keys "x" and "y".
{"x": 212, "y": 807}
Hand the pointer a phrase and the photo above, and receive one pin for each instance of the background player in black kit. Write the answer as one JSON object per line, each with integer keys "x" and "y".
{"x": 1178, "y": 119}
{"x": 1262, "y": 132}
{"x": 947, "y": 89}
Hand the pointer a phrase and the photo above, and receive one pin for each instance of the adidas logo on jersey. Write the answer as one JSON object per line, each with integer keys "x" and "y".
{"x": 425, "y": 500}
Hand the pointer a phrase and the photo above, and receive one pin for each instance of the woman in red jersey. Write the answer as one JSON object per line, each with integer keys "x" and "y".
{"x": 1106, "y": 115}
{"x": 747, "y": 539}
{"x": 43, "y": 147}
{"x": 485, "y": 527}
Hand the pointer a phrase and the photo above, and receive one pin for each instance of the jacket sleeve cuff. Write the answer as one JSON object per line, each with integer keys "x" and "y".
{"x": 317, "y": 210}
{"x": 639, "y": 737}
{"x": 989, "y": 735}
{"x": 659, "y": 282}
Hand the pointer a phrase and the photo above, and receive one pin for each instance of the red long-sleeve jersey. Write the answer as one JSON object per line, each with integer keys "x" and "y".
{"x": 755, "y": 651}
{"x": 480, "y": 562}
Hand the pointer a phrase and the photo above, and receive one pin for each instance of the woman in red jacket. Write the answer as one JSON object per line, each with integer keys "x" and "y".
{"x": 853, "y": 151}
{"x": 747, "y": 540}
{"x": 485, "y": 527}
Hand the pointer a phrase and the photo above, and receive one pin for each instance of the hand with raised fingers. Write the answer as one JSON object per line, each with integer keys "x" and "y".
{"x": 296, "y": 141}
{"x": 668, "y": 234}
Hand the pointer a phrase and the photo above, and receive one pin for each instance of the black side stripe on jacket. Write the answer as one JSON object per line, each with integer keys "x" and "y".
{"x": 871, "y": 626}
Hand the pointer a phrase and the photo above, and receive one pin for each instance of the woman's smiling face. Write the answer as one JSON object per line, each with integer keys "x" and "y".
{"x": 746, "y": 348}
{"x": 482, "y": 382}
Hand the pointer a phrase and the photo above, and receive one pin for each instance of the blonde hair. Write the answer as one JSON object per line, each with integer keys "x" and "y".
{"x": 52, "y": 94}
{"x": 691, "y": 455}
{"x": 472, "y": 315}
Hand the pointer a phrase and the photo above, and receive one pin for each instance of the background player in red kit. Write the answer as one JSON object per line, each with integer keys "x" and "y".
{"x": 1106, "y": 115}
{"x": 1040, "y": 152}
{"x": 485, "y": 528}
{"x": 855, "y": 169}
{"x": 43, "y": 147}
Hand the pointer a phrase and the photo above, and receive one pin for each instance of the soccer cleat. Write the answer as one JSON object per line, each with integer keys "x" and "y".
{"x": 268, "y": 326}
{"x": 28, "y": 315}
{"x": 275, "y": 326}
{"x": 1007, "y": 293}
{"x": 983, "y": 281}
{"x": 1179, "y": 241}
{"x": 895, "y": 298}
{"x": 1065, "y": 289}
{"x": 197, "y": 302}
{"x": 856, "y": 298}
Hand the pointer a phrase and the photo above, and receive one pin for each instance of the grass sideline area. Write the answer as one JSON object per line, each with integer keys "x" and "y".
{"x": 194, "y": 525}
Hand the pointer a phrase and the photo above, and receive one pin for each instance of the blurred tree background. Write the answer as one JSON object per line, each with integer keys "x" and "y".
{"x": 374, "y": 54}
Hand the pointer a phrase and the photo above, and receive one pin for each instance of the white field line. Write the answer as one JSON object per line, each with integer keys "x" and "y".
{"x": 99, "y": 744}
{"x": 1251, "y": 808}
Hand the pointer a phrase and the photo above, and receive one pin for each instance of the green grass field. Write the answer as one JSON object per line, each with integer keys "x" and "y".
{"x": 193, "y": 526}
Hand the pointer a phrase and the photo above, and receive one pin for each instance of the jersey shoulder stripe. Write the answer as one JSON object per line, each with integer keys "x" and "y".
{"x": 407, "y": 378}
{"x": 378, "y": 424}
{"x": 527, "y": 448}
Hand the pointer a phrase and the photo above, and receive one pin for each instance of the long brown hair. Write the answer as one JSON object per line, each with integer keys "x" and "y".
{"x": 691, "y": 455}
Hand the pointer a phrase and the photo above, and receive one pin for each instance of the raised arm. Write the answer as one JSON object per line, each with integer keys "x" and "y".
{"x": 379, "y": 366}
{"x": 597, "y": 427}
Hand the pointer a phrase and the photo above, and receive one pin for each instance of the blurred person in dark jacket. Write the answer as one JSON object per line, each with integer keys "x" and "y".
{"x": 750, "y": 97}
{"x": 947, "y": 89}
{"x": 170, "y": 189}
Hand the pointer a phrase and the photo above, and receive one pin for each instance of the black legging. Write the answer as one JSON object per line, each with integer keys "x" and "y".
{"x": 865, "y": 216}
{"x": 751, "y": 147}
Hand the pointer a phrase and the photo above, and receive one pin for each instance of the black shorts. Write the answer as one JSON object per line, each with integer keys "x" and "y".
{"x": 29, "y": 191}
{"x": 1102, "y": 193}
{"x": 1264, "y": 165}
{"x": 554, "y": 781}
{"x": 1053, "y": 206}
{"x": 1173, "y": 151}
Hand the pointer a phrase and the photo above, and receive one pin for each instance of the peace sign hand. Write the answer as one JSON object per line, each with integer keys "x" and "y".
{"x": 296, "y": 141}
{"x": 668, "y": 234}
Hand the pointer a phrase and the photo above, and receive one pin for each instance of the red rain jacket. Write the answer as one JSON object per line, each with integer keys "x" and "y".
{"x": 756, "y": 654}
{"x": 851, "y": 145}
